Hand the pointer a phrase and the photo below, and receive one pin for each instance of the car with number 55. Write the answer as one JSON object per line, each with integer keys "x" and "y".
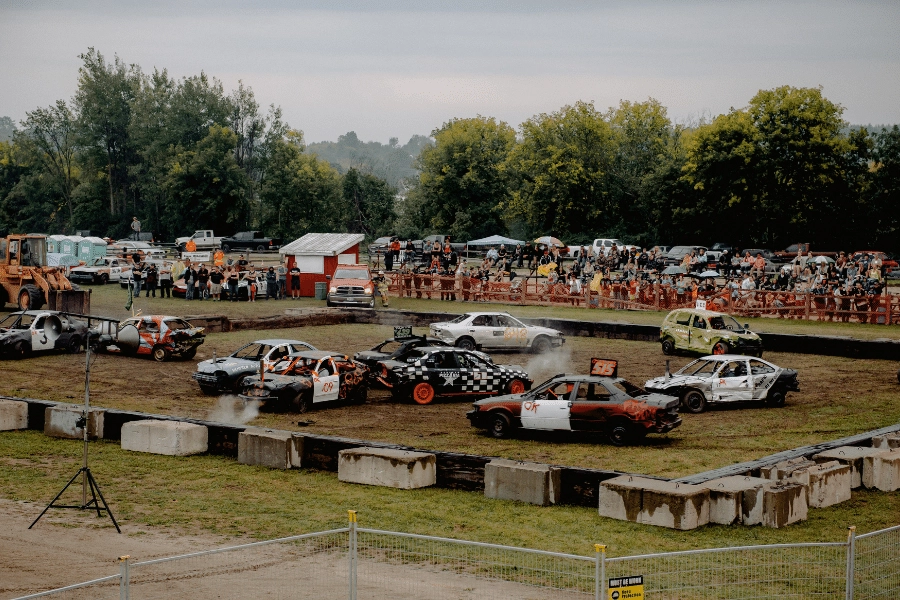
{"x": 496, "y": 331}
{"x": 604, "y": 404}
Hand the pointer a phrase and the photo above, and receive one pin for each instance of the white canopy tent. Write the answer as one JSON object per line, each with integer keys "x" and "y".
{"x": 495, "y": 240}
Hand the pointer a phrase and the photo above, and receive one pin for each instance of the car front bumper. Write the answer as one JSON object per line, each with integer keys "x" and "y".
{"x": 351, "y": 299}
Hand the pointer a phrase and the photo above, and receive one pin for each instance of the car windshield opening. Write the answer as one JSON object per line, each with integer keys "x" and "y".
{"x": 699, "y": 368}
{"x": 10, "y": 322}
{"x": 726, "y": 322}
{"x": 629, "y": 388}
{"x": 249, "y": 352}
{"x": 352, "y": 274}
{"x": 460, "y": 318}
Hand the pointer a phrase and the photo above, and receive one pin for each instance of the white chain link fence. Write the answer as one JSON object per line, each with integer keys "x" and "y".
{"x": 362, "y": 564}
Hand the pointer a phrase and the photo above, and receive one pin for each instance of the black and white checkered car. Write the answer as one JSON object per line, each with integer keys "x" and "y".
{"x": 490, "y": 379}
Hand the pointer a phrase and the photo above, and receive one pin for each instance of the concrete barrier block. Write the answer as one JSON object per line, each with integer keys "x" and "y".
{"x": 270, "y": 448}
{"x": 674, "y": 505}
{"x": 771, "y": 471}
{"x": 882, "y": 470}
{"x": 63, "y": 422}
{"x": 171, "y": 438}
{"x": 784, "y": 503}
{"x": 385, "y": 467}
{"x": 849, "y": 455}
{"x": 888, "y": 441}
{"x": 826, "y": 483}
{"x": 620, "y": 498}
{"x": 13, "y": 415}
{"x": 736, "y": 499}
{"x": 533, "y": 483}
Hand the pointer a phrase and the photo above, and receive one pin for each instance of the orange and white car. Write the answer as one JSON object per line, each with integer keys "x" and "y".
{"x": 159, "y": 336}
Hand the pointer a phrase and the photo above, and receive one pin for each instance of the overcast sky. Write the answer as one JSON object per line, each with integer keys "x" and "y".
{"x": 394, "y": 68}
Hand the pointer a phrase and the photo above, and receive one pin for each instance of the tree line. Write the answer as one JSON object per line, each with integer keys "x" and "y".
{"x": 786, "y": 168}
{"x": 180, "y": 155}
{"x": 184, "y": 155}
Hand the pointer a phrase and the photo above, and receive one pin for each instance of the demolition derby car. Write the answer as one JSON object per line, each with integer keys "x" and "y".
{"x": 103, "y": 270}
{"x": 159, "y": 336}
{"x": 304, "y": 380}
{"x": 499, "y": 331}
{"x": 395, "y": 348}
{"x": 25, "y": 332}
{"x": 226, "y": 374}
{"x": 707, "y": 332}
{"x": 729, "y": 378}
{"x": 443, "y": 371}
{"x": 600, "y": 402}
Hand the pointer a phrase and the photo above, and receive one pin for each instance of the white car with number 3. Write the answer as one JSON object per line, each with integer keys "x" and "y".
{"x": 496, "y": 331}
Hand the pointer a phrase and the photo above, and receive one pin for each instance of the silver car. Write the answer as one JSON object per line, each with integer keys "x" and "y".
{"x": 726, "y": 378}
{"x": 496, "y": 331}
{"x": 226, "y": 374}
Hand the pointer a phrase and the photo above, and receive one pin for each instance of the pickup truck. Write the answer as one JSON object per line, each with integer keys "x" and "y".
{"x": 204, "y": 239}
{"x": 249, "y": 240}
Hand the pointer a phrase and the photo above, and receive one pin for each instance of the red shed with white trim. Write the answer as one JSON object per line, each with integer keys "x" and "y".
{"x": 318, "y": 255}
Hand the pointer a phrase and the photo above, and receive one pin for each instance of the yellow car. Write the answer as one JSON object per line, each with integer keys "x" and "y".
{"x": 707, "y": 332}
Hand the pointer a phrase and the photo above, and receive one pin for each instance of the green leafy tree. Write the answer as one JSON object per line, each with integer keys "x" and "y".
{"x": 883, "y": 218}
{"x": 371, "y": 202}
{"x": 7, "y": 129}
{"x": 774, "y": 171}
{"x": 560, "y": 171}
{"x": 461, "y": 184}
{"x": 300, "y": 193}
{"x": 205, "y": 185}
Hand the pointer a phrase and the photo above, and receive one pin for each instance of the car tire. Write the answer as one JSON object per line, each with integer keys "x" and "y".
{"x": 668, "y": 346}
{"x": 500, "y": 426}
{"x": 423, "y": 393}
{"x": 541, "y": 345}
{"x": 466, "y": 343}
{"x": 209, "y": 390}
{"x": 104, "y": 279}
{"x": 359, "y": 395}
{"x": 260, "y": 248}
{"x": 898, "y": 376}
{"x": 226, "y": 248}
{"x": 75, "y": 345}
{"x": 161, "y": 353}
{"x": 620, "y": 433}
{"x": 516, "y": 386}
{"x": 189, "y": 353}
{"x": 693, "y": 401}
{"x": 301, "y": 403}
{"x": 776, "y": 398}
{"x": 759, "y": 354}
{"x": 238, "y": 385}
{"x": 721, "y": 348}
{"x": 22, "y": 350}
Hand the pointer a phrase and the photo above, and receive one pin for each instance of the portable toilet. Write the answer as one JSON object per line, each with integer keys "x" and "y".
{"x": 91, "y": 248}
{"x": 54, "y": 243}
{"x": 69, "y": 245}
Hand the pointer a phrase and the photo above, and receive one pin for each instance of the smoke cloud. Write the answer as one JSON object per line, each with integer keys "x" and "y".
{"x": 233, "y": 410}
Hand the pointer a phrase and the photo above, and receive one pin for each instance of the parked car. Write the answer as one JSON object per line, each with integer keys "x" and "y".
{"x": 25, "y": 332}
{"x": 677, "y": 253}
{"x": 351, "y": 285}
{"x": 250, "y": 240}
{"x": 887, "y": 261}
{"x": 429, "y": 371}
{"x": 585, "y": 403}
{"x": 496, "y": 330}
{"x": 159, "y": 336}
{"x": 306, "y": 380}
{"x": 707, "y": 332}
{"x": 204, "y": 239}
{"x": 127, "y": 248}
{"x": 102, "y": 270}
{"x": 728, "y": 378}
{"x": 227, "y": 374}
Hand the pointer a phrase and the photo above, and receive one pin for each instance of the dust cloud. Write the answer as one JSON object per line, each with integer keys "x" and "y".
{"x": 234, "y": 411}
{"x": 544, "y": 366}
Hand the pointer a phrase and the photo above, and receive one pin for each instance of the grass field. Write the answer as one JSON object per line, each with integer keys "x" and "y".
{"x": 838, "y": 397}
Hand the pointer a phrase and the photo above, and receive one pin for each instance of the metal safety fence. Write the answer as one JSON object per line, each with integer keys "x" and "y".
{"x": 359, "y": 563}
{"x": 880, "y": 309}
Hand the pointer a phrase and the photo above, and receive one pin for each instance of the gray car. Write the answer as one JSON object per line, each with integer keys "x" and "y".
{"x": 25, "y": 332}
{"x": 226, "y": 374}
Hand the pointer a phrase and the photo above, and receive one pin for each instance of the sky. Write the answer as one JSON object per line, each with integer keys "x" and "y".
{"x": 391, "y": 68}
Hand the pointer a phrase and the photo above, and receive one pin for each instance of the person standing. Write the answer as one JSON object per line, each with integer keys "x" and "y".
{"x": 151, "y": 278}
{"x": 219, "y": 258}
{"x": 233, "y": 284}
{"x": 137, "y": 275}
{"x": 271, "y": 284}
{"x": 215, "y": 283}
{"x": 381, "y": 285}
{"x": 282, "y": 281}
{"x": 165, "y": 281}
{"x": 177, "y": 269}
{"x": 389, "y": 256}
{"x": 135, "y": 229}
{"x": 203, "y": 282}
{"x": 190, "y": 276}
{"x": 295, "y": 282}
{"x": 251, "y": 285}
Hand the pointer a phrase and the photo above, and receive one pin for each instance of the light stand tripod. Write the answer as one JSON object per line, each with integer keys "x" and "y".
{"x": 87, "y": 479}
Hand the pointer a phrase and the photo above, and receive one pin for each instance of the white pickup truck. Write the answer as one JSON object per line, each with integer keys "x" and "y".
{"x": 204, "y": 239}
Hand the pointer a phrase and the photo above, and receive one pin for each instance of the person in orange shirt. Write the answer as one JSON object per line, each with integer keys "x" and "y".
{"x": 219, "y": 258}
{"x": 191, "y": 246}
